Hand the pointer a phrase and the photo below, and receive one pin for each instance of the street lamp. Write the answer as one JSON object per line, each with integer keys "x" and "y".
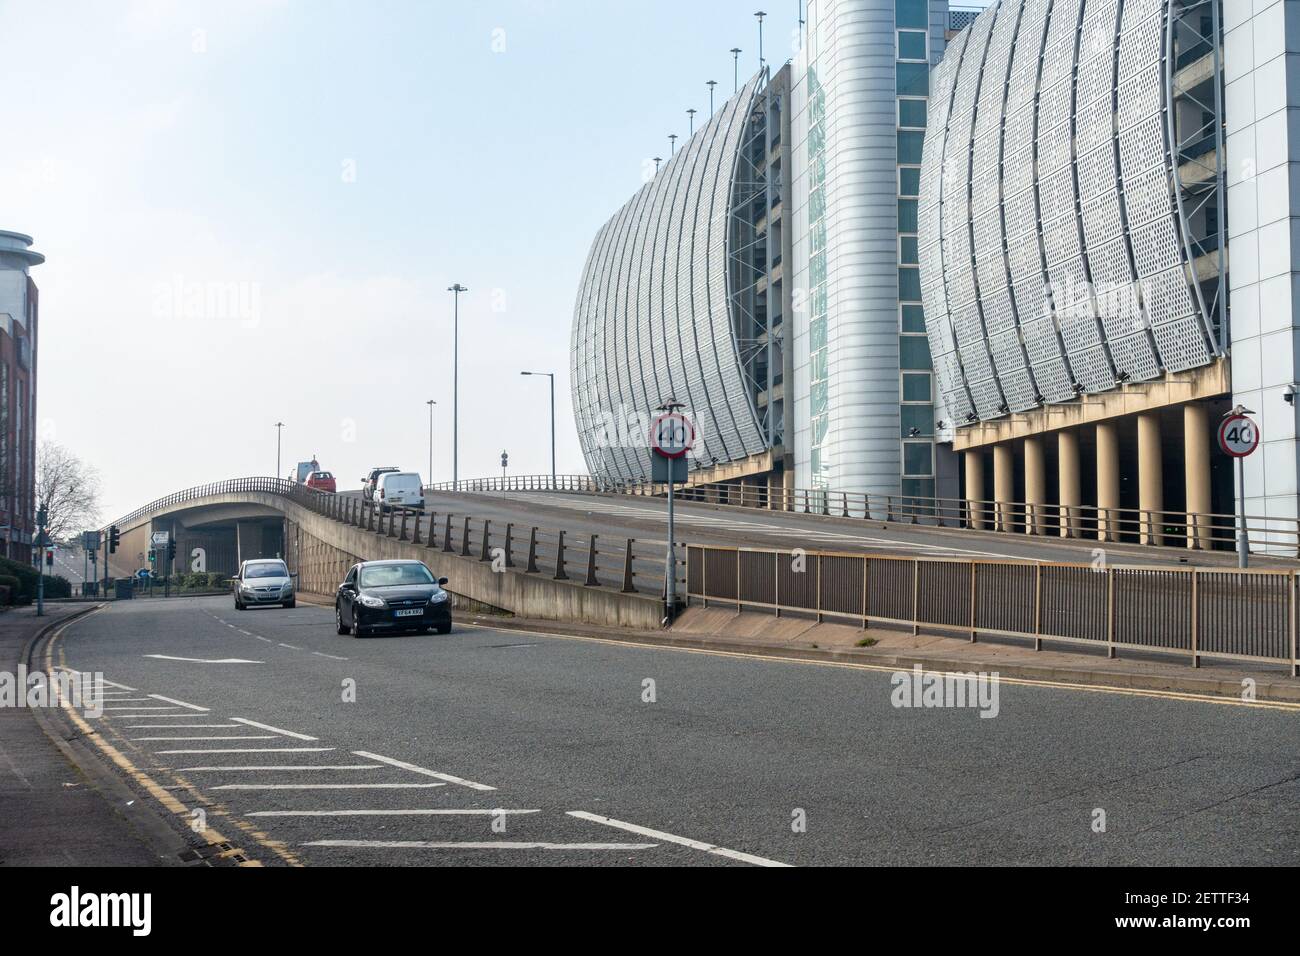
{"x": 735, "y": 66}
{"x": 278, "y": 426}
{"x": 711, "y": 84}
{"x": 760, "y": 15}
{"x": 551, "y": 376}
{"x": 455, "y": 290}
{"x": 691, "y": 113}
{"x": 430, "y": 403}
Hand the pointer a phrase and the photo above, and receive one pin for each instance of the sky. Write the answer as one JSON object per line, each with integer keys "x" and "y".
{"x": 251, "y": 212}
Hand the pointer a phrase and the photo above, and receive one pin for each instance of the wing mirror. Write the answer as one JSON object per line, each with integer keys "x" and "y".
{"x": 441, "y": 581}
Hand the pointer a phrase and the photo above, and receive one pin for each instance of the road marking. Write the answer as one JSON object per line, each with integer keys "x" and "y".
{"x": 138, "y": 707}
{"x": 274, "y": 730}
{"x": 251, "y": 750}
{"x": 201, "y": 660}
{"x": 337, "y": 766}
{"x": 179, "y": 703}
{"x": 181, "y": 726}
{"x": 891, "y": 669}
{"x": 333, "y": 657}
{"x": 240, "y": 737}
{"x": 503, "y": 845}
{"x": 381, "y": 813}
{"x": 328, "y": 786}
{"x": 264, "y": 640}
{"x": 670, "y": 838}
{"x": 428, "y": 773}
{"x": 291, "y": 647}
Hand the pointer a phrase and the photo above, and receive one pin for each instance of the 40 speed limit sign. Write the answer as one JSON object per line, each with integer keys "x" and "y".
{"x": 1238, "y": 436}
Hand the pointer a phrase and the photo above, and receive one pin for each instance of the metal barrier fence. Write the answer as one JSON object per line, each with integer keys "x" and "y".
{"x": 1192, "y": 612}
{"x": 1165, "y": 528}
{"x": 632, "y": 565}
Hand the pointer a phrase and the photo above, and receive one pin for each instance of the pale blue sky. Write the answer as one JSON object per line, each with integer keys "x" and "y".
{"x": 206, "y": 146}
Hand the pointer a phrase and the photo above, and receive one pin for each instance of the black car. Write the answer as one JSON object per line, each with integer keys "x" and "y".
{"x": 392, "y": 596}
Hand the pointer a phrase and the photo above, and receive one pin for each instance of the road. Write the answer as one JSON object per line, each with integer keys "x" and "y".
{"x": 602, "y": 753}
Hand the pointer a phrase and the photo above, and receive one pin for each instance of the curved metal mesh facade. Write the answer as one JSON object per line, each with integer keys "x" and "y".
{"x": 654, "y": 319}
{"x": 1053, "y": 261}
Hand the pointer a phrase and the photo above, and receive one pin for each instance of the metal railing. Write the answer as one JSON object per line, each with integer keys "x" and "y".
{"x": 1187, "y": 611}
{"x": 1163, "y": 528}
{"x": 631, "y": 565}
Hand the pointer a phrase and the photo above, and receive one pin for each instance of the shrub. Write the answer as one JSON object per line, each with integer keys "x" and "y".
{"x": 57, "y": 586}
{"x": 12, "y": 587}
{"x": 216, "y": 580}
{"x": 25, "y": 573}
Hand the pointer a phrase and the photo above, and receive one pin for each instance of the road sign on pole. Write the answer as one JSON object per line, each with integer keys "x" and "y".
{"x": 1239, "y": 437}
{"x": 671, "y": 437}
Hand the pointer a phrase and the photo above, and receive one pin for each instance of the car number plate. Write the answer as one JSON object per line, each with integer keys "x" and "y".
{"x": 409, "y": 612}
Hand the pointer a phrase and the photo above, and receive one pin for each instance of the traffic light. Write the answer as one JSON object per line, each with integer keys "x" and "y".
{"x": 49, "y": 558}
{"x": 171, "y": 549}
{"x": 114, "y": 536}
{"x": 153, "y": 556}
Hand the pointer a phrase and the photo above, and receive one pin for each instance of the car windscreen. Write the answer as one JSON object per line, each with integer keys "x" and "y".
{"x": 395, "y": 575}
{"x": 271, "y": 570}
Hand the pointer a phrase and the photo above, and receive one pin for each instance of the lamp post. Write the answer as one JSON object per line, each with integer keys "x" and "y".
{"x": 41, "y": 516}
{"x": 278, "y": 426}
{"x": 760, "y": 15}
{"x": 430, "y": 403}
{"x": 711, "y": 84}
{"x": 691, "y": 113}
{"x": 735, "y": 66}
{"x": 455, "y": 290}
{"x": 672, "y": 144}
{"x": 551, "y": 376}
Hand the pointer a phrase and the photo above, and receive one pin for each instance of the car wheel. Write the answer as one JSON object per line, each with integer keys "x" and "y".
{"x": 239, "y": 605}
{"x": 338, "y": 621}
{"x": 444, "y": 628}
{"x": 289, "y": 604}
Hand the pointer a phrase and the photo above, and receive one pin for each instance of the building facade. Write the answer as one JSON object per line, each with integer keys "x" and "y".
{"x": 19, "y": 335}
{"x": 863, "y": 391}
{"x": 1074, "y": 226}
{"x": 683, "y": 298}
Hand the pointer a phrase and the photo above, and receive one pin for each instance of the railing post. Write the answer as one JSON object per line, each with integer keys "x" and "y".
{"x": 415, "y": 531}
{"x": 1291, "y": 623}
{"x": 974, "y": 600}
{"x": 845, "y": 495}
{"x": 484, "y": 552}
{"x": 531, "y": 567}
{"x": 1110, "y": 613}
{"x": 510, "y": 530}
{"x": 1038, "y": 607}
{"x": 402, "y": 534}
{"x": 433, "y": 531}
{"x": 591, "y": 581}
{"x": 1196, "y": 621}
{"x": 446, "y": 537}
{"x": 559, "y": 560}
{"x": 464, "y": 538}
{"x": 916, "y": 596}
{"x": 628, "y": 588}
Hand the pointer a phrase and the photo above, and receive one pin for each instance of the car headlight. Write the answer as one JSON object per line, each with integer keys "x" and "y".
{"x": 369, "y": 601}
{"x": 439, "y": 598}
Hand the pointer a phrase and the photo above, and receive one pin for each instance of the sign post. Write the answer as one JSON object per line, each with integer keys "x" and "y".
{"x": 671, "y": 436}
{"x": 1238, "y": 438}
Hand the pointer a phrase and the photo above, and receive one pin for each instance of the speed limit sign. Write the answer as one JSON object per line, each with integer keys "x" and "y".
{"x": 672, "y": 435}
{"x": 1238, "y": 436}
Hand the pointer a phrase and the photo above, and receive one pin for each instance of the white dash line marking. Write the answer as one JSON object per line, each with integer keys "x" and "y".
{"x": 328, "y": 786}
{"x": 503, "y": 845}
{"x": 333, "y": 657}
{"x": 179, "y": 703}
{"x": 250, "y": 750}
{"x": 274, "y": 730}
{"x": 336, "y": 766}
{"x": 670, "y": 838}
{"x": 240, "y": 737}
{"x": 182, "y": 726}
{"x": 292, "y": 647}
{"x": 381, "y": 813}
{"x": 428, "y": 773}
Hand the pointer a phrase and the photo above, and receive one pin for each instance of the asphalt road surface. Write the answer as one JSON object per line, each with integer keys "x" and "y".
{"x": 496, "y": 747}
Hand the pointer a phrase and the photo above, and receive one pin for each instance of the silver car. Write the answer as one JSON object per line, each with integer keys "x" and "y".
{"x": 263, "y": 581}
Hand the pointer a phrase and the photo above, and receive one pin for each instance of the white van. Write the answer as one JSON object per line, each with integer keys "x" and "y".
{"x": 400, "y": 489}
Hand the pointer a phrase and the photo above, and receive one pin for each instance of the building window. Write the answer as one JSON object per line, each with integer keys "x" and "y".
{"x": 909, "y": 284}
{"x": 918, "y": 459}
{"x": 911, "y": 45}
{"x": 911, "y": 113}
{"x": 917, "y": 387}
{"x": 914, "y": 352}
{"x": 913, "y": 79}
{"x": 907, "y": 250}
{"x": 913, "y": 14}
{"x": 907, "y": 215}
{"x": 912, "y": 319}
{"x": 909, "y": 181}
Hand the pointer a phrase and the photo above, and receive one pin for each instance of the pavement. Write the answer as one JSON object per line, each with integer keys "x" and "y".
{"x": 51, "y": 812}
{"x": 501, "y": 745}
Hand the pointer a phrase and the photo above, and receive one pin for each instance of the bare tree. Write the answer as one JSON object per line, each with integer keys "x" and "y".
{"x": 69, "y": 490}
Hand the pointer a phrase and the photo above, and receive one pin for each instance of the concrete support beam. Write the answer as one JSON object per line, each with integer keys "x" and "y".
{"x": 1035, "y": 485}
{"x": 975, "y": 488}
{"x": 1069, "y": 482}
{"x": 1196, "y": 463}
{"x": 1107, "y": 481}
{"x": 1151, "y": 494}
{"x": 1004, "y": 484}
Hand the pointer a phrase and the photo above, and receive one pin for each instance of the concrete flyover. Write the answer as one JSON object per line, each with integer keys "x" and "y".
{"x": 321, "y": 535}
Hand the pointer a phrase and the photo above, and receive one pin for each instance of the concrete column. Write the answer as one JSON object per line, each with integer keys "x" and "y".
{"x": 975, "y": 487}
{"x": 1004, "y": 484}
{"x": 1035, "y": 484}
{"x": 1151, "y": 495}
{"x": 1069, "y": 481}
{"x": 1196, "y": 459}
{"x": 1107, "y": 481}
